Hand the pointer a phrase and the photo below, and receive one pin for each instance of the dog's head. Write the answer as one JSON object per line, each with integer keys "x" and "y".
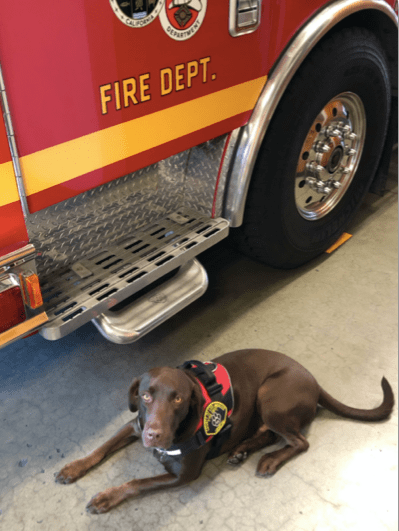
{"x": 169, "y": 402}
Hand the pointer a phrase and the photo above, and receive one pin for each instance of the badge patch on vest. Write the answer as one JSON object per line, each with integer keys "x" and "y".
{"x": 215, "y": 417}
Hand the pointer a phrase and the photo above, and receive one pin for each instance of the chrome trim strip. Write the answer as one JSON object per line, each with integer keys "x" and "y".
{"x": 13, "y": 146}
{"x": 226, "y": 162}
{"x": 21, "y": 330}
{"x": 28, "y": 252}
{"x": 253, "y": 133}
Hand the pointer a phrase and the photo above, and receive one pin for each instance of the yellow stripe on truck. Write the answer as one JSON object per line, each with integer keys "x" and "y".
{"x": 74, "y": 158}
{"x": 8, "y": 185}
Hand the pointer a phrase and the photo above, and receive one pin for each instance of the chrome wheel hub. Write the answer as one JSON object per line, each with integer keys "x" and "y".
{"x": 330, "y": 156}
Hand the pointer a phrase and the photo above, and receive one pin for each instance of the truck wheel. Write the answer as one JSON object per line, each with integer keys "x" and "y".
{"x": 320, "y": 152}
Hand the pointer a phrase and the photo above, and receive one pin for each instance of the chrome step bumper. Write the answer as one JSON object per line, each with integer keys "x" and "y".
{"x": 95, "y": 284}
{"x": 145, "y": 314}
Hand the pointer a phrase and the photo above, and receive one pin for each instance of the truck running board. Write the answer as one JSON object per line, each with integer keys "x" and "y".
{"x": 92, "y": 286}
{"x": 149, "y": 311}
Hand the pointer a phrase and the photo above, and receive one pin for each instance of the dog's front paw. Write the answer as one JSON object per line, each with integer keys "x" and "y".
{"x": 267, "y": 466}
{"x": 104, "y": 501}
{"x": 237, "y": 458}
{"x": 71, "y": 472}
{"x": 99, "y": 504}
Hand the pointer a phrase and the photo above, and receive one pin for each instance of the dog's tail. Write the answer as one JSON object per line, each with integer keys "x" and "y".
{"x": 379, "y": 413}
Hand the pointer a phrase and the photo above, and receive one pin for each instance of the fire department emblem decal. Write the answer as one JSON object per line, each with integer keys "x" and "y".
{"x": 181, "y": 19}
{"x": 136, "y": 13}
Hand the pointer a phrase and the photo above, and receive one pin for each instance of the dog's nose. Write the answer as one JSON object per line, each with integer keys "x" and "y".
{"x": 154, "y": 434}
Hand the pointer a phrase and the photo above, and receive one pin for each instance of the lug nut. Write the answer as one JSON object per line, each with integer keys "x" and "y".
{"x": 310, "y": 181}
{"x": 332, "y": 131}
{"x": 319, "y": 186}
{"x": 322, "y": 147}
{"x": 314, "y": 167}
{"x": 350, "y": 151}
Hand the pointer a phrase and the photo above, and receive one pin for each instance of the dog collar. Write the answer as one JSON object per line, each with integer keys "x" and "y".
{"x": 217, "y": 391}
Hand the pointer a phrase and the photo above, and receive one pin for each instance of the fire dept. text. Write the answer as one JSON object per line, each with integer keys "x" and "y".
{"x": 135, "y": 90}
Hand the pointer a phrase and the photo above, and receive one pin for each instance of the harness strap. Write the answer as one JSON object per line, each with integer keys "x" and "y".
{"x": 204, "y": 373}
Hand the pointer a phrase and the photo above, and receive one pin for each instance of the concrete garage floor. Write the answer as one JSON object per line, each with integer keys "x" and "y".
{"x": 337, "y": 316}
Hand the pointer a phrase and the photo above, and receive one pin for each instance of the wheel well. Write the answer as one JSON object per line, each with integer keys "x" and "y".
{"x": 380, "y": 20}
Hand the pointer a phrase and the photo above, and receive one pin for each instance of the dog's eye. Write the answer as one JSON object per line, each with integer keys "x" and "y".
{"x": 178, "y": 399}
{"x": 146, "y": 397}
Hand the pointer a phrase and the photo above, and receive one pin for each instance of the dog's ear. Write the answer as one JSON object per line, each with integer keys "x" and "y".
{"x": 196, "y": 401}
{"x": 195, "y": 408}
{"x": 134, "y": 395}
{"x": 188, "y": 425}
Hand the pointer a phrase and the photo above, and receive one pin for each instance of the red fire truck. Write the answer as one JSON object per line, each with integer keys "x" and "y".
{"x": 135, "y": 134}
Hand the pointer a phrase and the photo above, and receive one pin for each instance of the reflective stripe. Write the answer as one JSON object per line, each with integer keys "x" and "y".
{"x": 168, "y": 452}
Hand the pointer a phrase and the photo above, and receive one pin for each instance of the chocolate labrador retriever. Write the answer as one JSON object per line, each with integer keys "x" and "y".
{"x": 238, "y": 403}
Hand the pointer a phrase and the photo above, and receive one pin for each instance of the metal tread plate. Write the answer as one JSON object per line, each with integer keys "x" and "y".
{"x": 98, "y": 282}
{"x": 68, "y": 231}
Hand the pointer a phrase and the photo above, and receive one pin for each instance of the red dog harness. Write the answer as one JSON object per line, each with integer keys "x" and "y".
{"x": 214, "y": 424}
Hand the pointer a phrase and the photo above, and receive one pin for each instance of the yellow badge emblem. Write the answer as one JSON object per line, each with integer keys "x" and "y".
{"x": 215, "y": 417}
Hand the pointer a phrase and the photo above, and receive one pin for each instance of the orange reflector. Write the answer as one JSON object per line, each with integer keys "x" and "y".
{"x": 12, "y": 309}
{"x": 32, "y": 292}
{"x": 342, "y": 239}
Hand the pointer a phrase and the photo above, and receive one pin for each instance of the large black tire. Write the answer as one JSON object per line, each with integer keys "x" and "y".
{"x": 351, "y": 61}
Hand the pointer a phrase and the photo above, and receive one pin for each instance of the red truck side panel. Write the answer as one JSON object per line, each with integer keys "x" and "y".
{"x": 58, "y": 88}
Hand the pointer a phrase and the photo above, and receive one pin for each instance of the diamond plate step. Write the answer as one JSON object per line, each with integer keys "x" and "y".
{"x": 96, "y": 283}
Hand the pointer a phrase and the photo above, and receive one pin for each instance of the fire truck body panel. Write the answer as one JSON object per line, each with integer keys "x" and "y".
{"x": 97, "y": 114}
{"x": 117, "y": 129}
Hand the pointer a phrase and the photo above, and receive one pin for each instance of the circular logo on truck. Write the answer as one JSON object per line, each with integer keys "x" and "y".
{"x": 136, "y": 13}
{"x": 181, "y": 19}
